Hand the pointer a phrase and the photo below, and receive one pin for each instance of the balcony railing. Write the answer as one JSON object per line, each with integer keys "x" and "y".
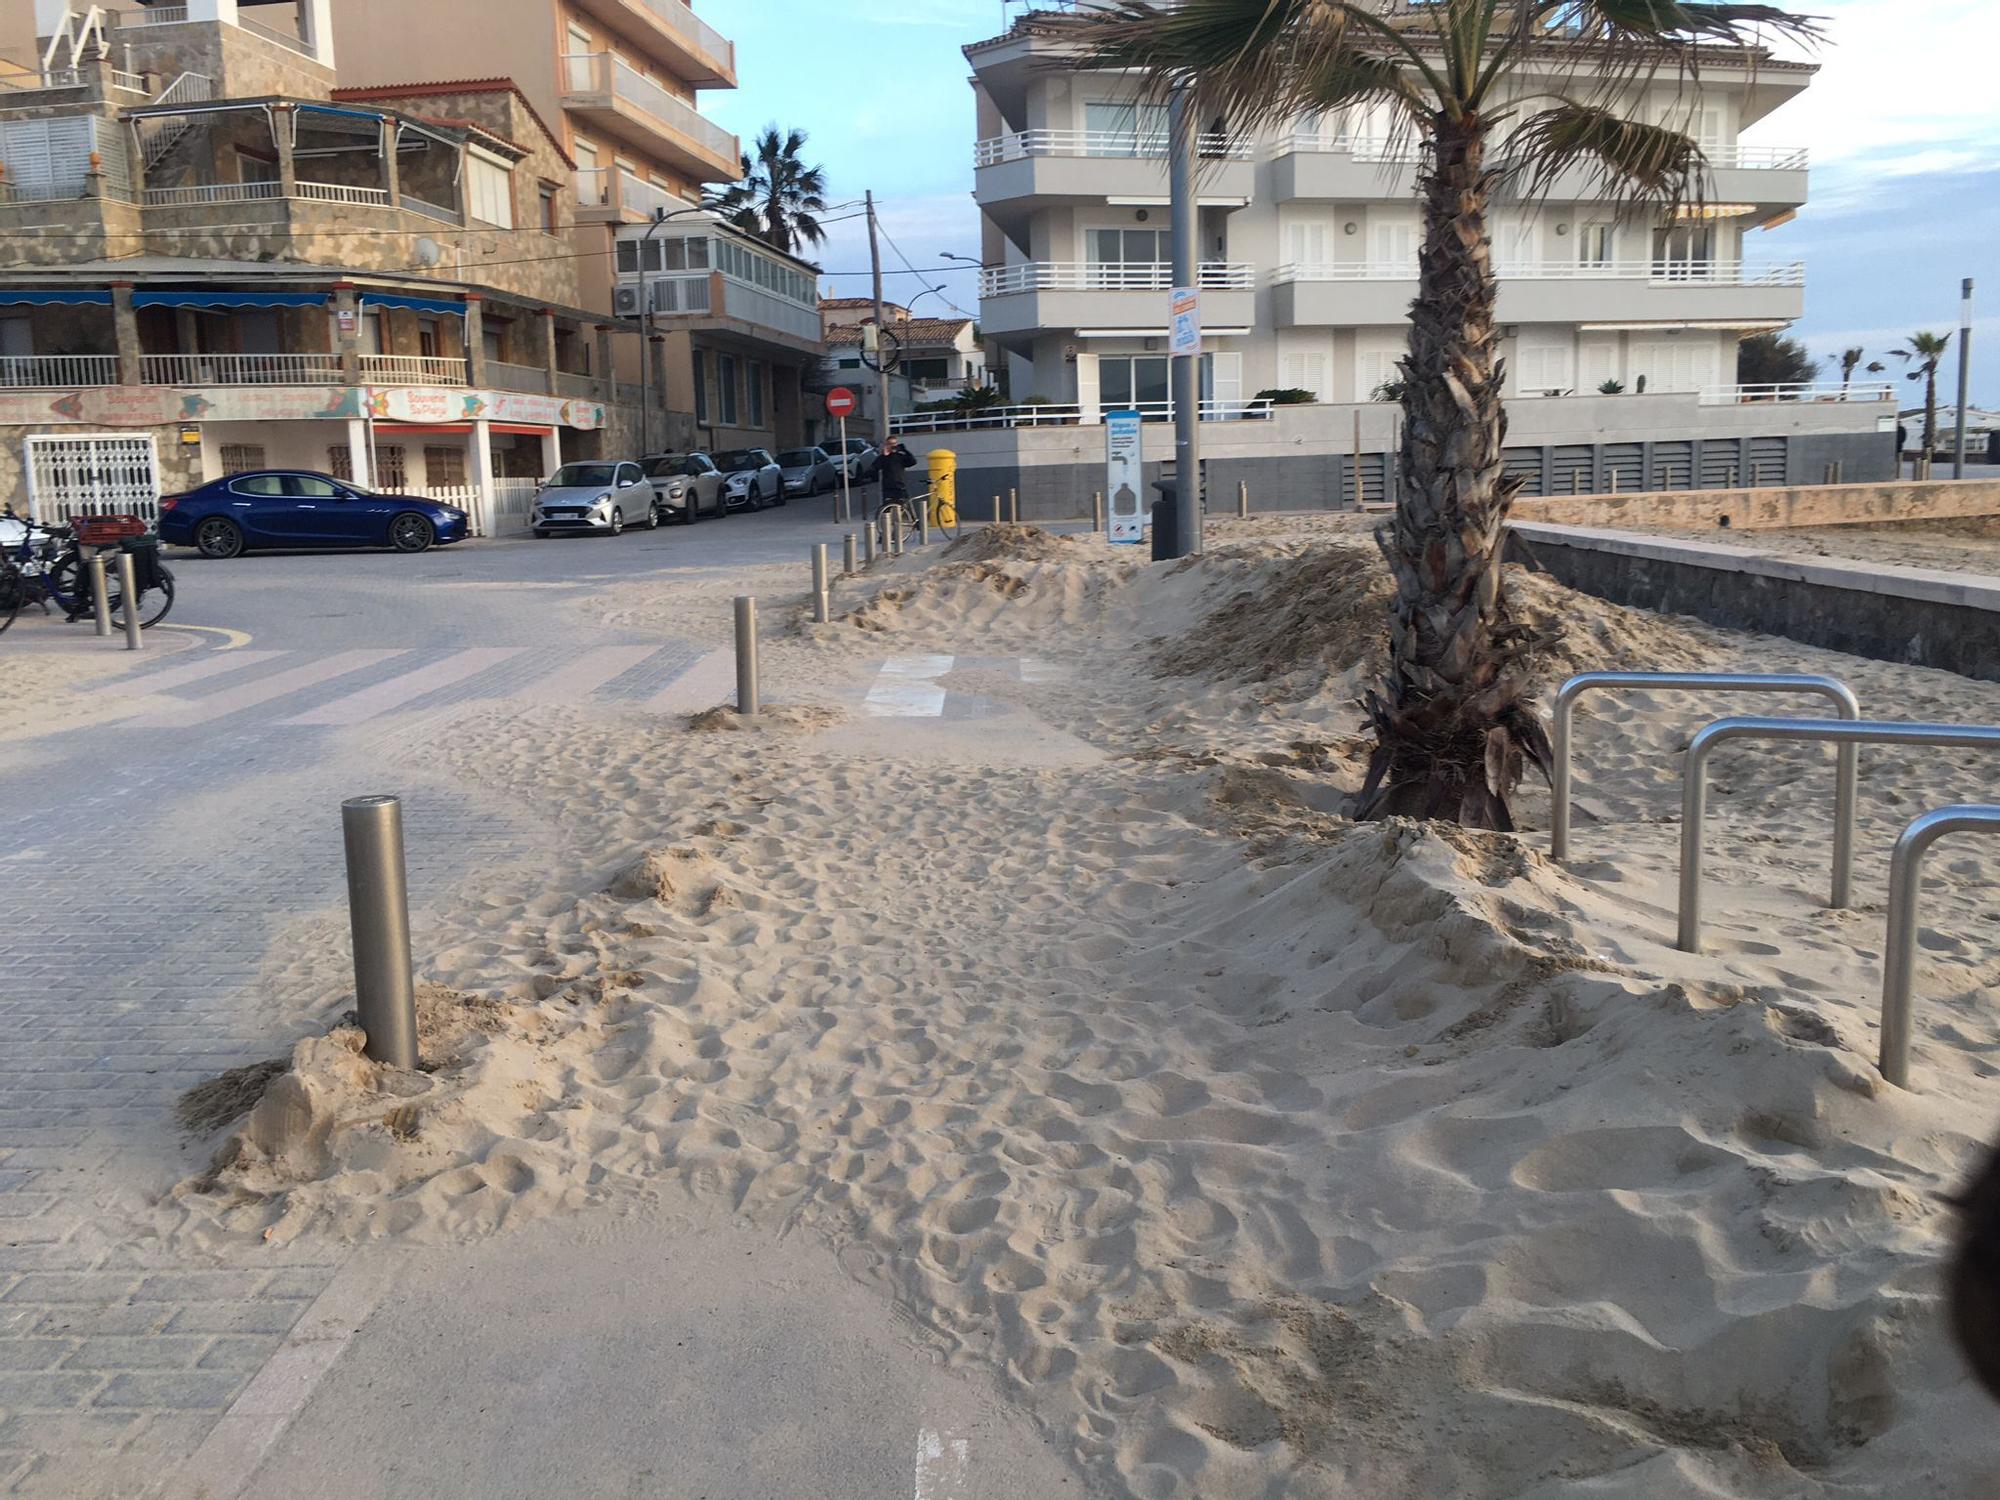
{"x": 1022, "y": 144}
{"x": 211, "y": 192}
{"x": 51, "y": 371}
{"x": 240, "y": 369}
{"x": 1739, "y": 395}
{"x": 593, "y": 187}
{"x": 1656, "y": 272}
{"x": 1045, "y": 415}
{"x": 284, "y": 39}
{"x": 155, "y": 15}
{"x": 507, "y": 377}
{"x": 604, "y": 74}
{"x": 574, "y": 384}
{"x": 431, "y": 210}
{"x": 704, "y": 37}
{"x": 412, "y": 369}
{"x": 1094, "y": 276}
{"x": 1394, "y": 149}
{"x": 340, "y": 192}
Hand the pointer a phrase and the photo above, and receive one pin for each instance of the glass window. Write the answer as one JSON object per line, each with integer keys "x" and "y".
{"x": 240, "y": 458}
{"x": 311, "y": 487}
{"x": 390, "y": 474}
{"x": 697, "y": 252}
{"x": 489, "y": 192}
{"x": 582, "y": 475}
{"x": 700, "y": 359}
{"x": 754, "y": 387}
{"x": 340, "y": 462}
{"x": 673, "y": 255}
{"x": 550, "y": 220}
{"x": 725, "y": 387}
{"x": 444, "y": 465}
{"x": 1595, "y": 245}
{"x": 258, "y": 484}
{"x": 1125, "y": 129}
{"x": 628, "y": 256}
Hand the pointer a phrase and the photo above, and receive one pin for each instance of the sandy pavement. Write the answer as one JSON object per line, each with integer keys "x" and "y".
{"x": 1252, "y": 1151}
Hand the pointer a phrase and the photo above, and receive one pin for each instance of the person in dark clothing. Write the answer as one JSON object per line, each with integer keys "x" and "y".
{"x": 1972, "y": 1280}
{"x": 896, "y": 460}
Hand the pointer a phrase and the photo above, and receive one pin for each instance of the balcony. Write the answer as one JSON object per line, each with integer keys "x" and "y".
{"x": 239, "y": 369}
{"x": 57, "y": 371}
{"x": 1014, "y": 173}
{"x": 669, "y": 29}
{"x": 1035, "y": 295}
{"x": 503, "y": 376}
{"x": 1362, "y": 293}
{"x": 603, "y": 195}
{"x": 412, "y": 369}
{"x": 616, "y": 98}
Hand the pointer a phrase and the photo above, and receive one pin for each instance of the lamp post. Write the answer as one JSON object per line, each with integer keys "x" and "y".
{"x": 660, "y": 217}
{"x": 1964, "y": 377}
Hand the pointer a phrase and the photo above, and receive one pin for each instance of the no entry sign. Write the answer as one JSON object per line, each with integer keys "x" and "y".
{"x": 840, "y": 402}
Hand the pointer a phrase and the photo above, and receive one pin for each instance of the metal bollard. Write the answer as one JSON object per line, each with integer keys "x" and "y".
{"x": 1097, "y": 510}
{"x": 996, "y": 510}
{"x": 1243, "y": 499}
{"x": 893, "y": 521}
{"x": 821, "y": 610}
{"x": 746, "y": 656}
{"x": 847, "y": 555}
{"x": 924, "y": 524}
{"x": 100, "y": 595}
{"x": 128, "y": 583}
{"x": 378, "y": 909}
{"x": 1014, "y": 506}
{"x": 868, "y": 545}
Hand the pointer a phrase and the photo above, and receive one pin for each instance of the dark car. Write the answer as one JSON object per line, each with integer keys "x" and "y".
{"x": 295, "y": 508}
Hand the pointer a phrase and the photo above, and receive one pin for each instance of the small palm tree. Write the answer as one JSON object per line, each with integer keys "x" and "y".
{"x": 1849, "y": 359}
{"x": 779, "y": 197}
{"x": 1927, "y": 350}
{"x": 1502, "y": 95}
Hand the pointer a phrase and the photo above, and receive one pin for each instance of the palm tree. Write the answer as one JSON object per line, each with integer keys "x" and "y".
{"x": 1927, "y": 349}
{"x": 779, "y": 197}
{"x": 1501, "y": 95}
{"x": 1849, "y": 360}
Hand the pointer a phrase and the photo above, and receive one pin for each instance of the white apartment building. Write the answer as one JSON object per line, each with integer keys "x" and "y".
{"x": 1309, "y": 239}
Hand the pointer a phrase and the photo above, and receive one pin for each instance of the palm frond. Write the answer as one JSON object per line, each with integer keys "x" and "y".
{"x": 1629, "y": 160}
{"x": 1681, "y": 23}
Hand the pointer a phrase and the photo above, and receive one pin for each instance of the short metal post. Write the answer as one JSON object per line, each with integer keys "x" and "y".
{"x": 924, "y": 524}
{"x": 868, "y": 545}
{"x": 746, "y": 655}
{"x": 822, "y": 612}
{"x": 1097, "y": 510}
{"x": 378, "y": 909}
{"x": 1899, "y": 957}
{"x": 1014, "y": 505}
{"x": 892, "y": 522}
{"x": 128, "y": 585}
{"x": 100, "y": 596}
{"x": 847, "y": 555}
{"x": 1242, "y": 499}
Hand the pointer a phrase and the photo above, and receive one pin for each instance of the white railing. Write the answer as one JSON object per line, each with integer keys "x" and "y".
{"x": 705, "y": 38}
{"x": 212, "y": 192}
{"x": 1150, "y": 144}
{"x": 239, "y": 369}
{"x": 681, "y": 294}
{"x": 1769, "y": 158}
{"x": 51, "y": 370}
{"x": 157, "y": 15}
{"x": 412, "y": 369}
{"x": 602, "y": 73}
{"x": 593, "y": 187}
{"x": 1659, "y": 273}
{"x": 505, "y": 377}
{"x": 759, "y": 305}
{"x": 48, "y": 81}
{"x": 513, "y": 499}
{"x": 1359, "y": 147}
{"x": 1070, "y": 415}
{"x": 637, "y": 194}
{"x": 132, "y": 83}
{"x": 158, "y": 133}
{"x": 284, "y": 39}
{"x": 1095, "y": 276}
{"x": 1734, "y": 395}
{"x": 432, "y": 210}
{"x": 340, "y": 192}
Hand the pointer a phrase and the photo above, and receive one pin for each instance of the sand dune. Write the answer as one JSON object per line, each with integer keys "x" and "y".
{"x": 1257, "y": 1152}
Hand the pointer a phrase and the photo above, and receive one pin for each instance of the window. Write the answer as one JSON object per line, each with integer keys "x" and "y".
{"x": 390, "y": 473}
{"x": 551, "y": 219}
{"x": 340, "y": 462}
{"x": 853, "y": 363}
{"x": 256, "y": 484}
{"x": 1125, "y": 381}
{"x": 927, "y": 369}
{"x": 1139, "y": 257}
{"x": 1125, "y": 129}
{"x": 725, "y": 387}
{"x": 1596, "y": 245}
{"x": 1392, "y": 243}
{"x": 700, "y": 359}
{"x": 1541, "y": 363}
{"x": 1686, "y": 252}
{"x": 1307, "y": 370}
{"x": 240, "y": 458}
{"x": 429, "y": 338}
{"x": 1309, "y": 242}
{"x": 753, "y": 376}
{"x": 311, "y": 487}
{"x": 444, "y": 465}
{"x": 253, "y": 167}
{"x": 489, "y": 190}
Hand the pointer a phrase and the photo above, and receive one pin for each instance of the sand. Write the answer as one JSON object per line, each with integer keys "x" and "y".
{"x": 1970, "y": 545}
{"x": 1253, "y": 1151}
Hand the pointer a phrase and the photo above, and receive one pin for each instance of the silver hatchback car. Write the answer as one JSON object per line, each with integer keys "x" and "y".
{"x": 601, "y": 495}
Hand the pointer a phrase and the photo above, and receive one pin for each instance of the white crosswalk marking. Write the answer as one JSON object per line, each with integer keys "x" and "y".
{"x": 264, "y": 689}
{"x": 710, "y": 681}
{"x": 578, "y": 679}
{"x": 905, "y": 689}
{"x": 358, "y": 708}
{"x": 213, "y": 665}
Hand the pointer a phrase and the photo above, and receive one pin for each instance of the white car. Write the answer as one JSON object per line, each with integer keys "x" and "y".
{"x": 858, "y": 454}
{"x": 685, "y": 485}
{"x": 602, "y": 495}
{"x": 751, "y": 479}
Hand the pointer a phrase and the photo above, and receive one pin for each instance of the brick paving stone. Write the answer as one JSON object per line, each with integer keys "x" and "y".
{"x": 148, "y": 1352}
{"x": 181, "y": 1390}
{"x": 47, "y": 1390}
{"x": 123, "y": 1321}
{"x": 33, "y": 1354}
{"x": 265, "y": 1315}
{"x": 70, "y": 1286}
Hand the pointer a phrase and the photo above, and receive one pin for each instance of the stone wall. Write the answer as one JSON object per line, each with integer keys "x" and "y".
{"x": 241, "y": 64}
{"x": 1767, "y": 509}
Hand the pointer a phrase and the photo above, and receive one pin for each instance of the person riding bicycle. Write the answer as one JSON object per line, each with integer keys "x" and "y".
{"x": 895, "y": 460}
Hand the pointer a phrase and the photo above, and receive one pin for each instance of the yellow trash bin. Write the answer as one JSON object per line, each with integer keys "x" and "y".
{"x": 944, "y": 487}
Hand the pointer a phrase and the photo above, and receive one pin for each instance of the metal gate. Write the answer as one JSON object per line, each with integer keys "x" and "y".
{"x": 96, "y": 474}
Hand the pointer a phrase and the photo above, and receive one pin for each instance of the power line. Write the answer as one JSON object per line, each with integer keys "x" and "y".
{"x": 913, "y": 271}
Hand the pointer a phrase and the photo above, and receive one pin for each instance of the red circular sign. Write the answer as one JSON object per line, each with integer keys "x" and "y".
{"x": 840, "y": 402}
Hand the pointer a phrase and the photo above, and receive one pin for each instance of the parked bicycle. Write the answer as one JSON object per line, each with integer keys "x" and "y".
{"x": 47, "y": 565}
{"x": 942, "y": 513}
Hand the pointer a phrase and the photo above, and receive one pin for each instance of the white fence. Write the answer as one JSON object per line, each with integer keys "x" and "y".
{"x": 240, "y": 369}
{"x": 1107, "y": 276}
{"x": 512, "y": 500}
{"x": 1150, "y": 144}
{"x": 58, "y": 370}
{"x": 1657, "y": 272}
{"x": 412, "y": 369}
{"x": 1738, "y": 395}
{"x": 1053, "y": 415}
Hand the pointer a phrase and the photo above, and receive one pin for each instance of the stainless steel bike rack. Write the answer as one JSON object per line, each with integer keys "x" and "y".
{"x": 1906, "y": 875}
{"x": 1694, "y": 778}
{"x": 1831, "y": 688}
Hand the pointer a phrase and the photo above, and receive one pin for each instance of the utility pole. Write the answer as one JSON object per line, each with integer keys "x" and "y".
{"x": 1185, "y": 387}
{"x": 881, "y": 327}
{"x": 1964, "y": 377}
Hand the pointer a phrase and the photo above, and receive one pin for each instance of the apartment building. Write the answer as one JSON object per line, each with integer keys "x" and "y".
{"x": 619, "y": 82}
{"x": 219, "y": 265}
{"x": 938, "y": 358}
{"x": 1309, "y": 238}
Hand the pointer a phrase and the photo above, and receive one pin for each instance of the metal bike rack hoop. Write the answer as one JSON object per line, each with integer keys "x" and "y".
{"x": 1906, "y": 875}
{"x": 1694, "y": 778}
{"x": 1831, "y": 688}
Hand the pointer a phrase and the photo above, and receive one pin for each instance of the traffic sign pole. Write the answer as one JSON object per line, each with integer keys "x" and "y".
{"x": 840, "y": 405}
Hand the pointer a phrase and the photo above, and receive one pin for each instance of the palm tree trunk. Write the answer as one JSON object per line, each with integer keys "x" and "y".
{"x": 1930, "y": 409}
{"x": 1449, "y": 718}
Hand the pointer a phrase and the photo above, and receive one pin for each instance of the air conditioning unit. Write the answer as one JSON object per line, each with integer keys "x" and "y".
{"x": 625, "y": 301}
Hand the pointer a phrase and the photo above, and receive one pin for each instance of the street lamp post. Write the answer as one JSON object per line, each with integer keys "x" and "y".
{"x": 660, "y": 218}
{"x": 1964, "y": 377}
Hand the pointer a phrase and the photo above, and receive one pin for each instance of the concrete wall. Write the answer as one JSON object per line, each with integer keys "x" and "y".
{"x": 1890, "y": 614}
{"x": 1757, "y": 510}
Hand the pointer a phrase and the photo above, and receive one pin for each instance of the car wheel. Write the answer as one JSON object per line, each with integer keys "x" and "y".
{"x": 410, "y": 532}
{"x": 653, "y": 516}
{"x": 219, "y": 537}
{"x": 778, "y": 496}
{"x": 617, "y": 521}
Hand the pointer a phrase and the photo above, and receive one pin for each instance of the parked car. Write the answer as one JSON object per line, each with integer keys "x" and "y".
{"x": 594, "y": 496}
{"x": 807, "y": 471}
{"x": 859, "y": 455}
{"x": 294, "y": 508}
{"x": 751, "y": 479}
{"x": 677, "y": 476}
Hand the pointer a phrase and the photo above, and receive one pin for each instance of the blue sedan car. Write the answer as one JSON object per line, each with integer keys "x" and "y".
{"x": 294, "y": 508}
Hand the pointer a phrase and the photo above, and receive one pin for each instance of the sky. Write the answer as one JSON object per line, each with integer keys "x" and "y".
{"x": 1903, "y": 123}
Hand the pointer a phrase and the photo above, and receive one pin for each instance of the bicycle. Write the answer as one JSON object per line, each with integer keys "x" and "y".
{"x": 48, "y": 566}
{"x": 943, "y": 515}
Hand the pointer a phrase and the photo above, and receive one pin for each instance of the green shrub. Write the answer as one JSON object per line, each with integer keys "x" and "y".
{"x": 1288, "y": 396}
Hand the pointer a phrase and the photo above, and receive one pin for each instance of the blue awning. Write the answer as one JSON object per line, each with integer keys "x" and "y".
{"x": 415, "y": 304}
{"x": 57, "y": 299}
{"x": 228, "y": 299}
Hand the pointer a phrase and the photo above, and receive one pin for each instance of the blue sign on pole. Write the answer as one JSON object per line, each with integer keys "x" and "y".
{"x": 1124, "y": 476}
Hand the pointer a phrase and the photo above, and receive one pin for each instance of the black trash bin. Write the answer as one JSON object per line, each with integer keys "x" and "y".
{"x": 1166, "y": 520}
